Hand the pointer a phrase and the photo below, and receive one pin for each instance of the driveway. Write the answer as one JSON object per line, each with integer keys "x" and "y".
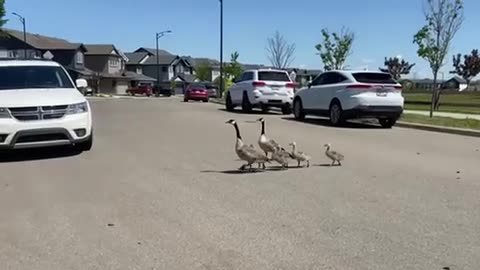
{"x": 160, "y": 190}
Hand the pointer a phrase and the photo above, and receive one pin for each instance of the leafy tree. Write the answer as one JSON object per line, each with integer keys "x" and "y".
{"x": 234, "y": 69}
{"x": 444, "y": 18}
{"x": 279, "y": 51}
{"x": 396, "y": 67}
{"x": 2, "y": 15}
{"x": 335, "y": 49}
{"x": 204, "y": 72}
{"x": 470, "y": 66}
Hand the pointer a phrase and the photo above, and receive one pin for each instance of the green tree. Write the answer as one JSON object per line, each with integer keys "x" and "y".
{"x": 396, "y": 67}
{"x": 443, "y": 20}
{"x": 2, "y": 14}
{"x": 469, "y": 68}
{"x": 234, "y": 69}
{"x": 335, "y": 48}
{"x": 204, "y": 72}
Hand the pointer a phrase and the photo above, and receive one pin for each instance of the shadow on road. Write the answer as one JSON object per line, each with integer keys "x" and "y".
{"x": 253, "y": 171}
{"x": 37, "y": 154}
{"x": 254, "y": 112}
{"x": 325, "y": 165}
{"x": 360, "y": 124}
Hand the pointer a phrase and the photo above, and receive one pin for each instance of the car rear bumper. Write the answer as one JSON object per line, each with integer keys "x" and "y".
{"x": 374, "y": 112}
{"x": 273, "y": 101}
{"x": 196, "y": 97}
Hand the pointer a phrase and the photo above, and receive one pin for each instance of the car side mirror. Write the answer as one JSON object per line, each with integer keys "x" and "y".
{"x": 81, "y": 83}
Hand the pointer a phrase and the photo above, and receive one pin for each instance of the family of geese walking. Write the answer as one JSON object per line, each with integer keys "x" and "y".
{"x": 272, "y": 151}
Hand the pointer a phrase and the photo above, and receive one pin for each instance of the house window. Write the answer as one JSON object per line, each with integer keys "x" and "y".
{"x": 79, "y": 58}
{"x": 114, "y": 62}
{"x": 164, "y": 69}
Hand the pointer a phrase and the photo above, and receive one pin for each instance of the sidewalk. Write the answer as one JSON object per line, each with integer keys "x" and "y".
{"x": 446, "y": 114}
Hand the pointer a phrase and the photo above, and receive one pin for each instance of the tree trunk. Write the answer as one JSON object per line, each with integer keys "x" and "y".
{"x": 434, "y": 94}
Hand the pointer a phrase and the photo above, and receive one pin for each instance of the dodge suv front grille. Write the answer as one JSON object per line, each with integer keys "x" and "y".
{"x": 38, "y": 113}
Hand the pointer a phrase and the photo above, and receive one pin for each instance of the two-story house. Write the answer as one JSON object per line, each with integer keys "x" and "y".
{"x": 108, "y": 64}
{"x": 70, "y": 55}
{"x": 144, "y": 61}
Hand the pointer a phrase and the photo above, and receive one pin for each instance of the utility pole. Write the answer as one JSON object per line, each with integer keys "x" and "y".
{"x": 157, "y": 37}
{"x": 222, "y": 85}
{"x": 23, "y": 21}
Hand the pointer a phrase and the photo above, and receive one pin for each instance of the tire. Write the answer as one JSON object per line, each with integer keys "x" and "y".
{"x": 387, "y": 122}
{"x": 286, "y": 110}
{"x": 336, "y": 114}
{"x": 228, "y": 103}
{"x": 132, "y": 94}
{"x": 85, "y": 145}
{"x": 246, "y": 105}
{"x": 185, "y": 100}
{"x": 265, "y": 109}
{"x": 205, "y": 100}
{"x": 298, "y": 109}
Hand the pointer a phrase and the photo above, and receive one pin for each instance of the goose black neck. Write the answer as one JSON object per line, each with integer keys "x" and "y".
{"x": 263, "y": 128}
{"x": 238, "y": 131}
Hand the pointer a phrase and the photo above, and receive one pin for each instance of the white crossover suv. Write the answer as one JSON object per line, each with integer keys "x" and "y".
{"x": 343, "y": 95}
{"x": 261, "y": 88}
{"x": 40, "y": 106}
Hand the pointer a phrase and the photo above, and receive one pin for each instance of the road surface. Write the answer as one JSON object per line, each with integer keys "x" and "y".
{"x": 160, "y": 190}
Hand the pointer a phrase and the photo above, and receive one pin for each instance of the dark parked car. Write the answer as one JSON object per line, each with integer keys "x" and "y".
{"x": 140, "y": 90}
{"x": 212, "y": 90}
{"x": 160, "y": 91}
{"x": 196, "y": 91}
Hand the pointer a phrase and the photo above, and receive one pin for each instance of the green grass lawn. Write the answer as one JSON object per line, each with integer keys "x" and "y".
{"x": 468, "y": 102}
{"x": 441, "y": 121}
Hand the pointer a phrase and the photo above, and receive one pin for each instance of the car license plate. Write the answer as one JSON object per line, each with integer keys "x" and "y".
{"x": 381, "y": 92}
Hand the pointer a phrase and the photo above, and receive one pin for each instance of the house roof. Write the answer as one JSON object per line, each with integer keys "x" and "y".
{"x": 43, "y": 42}
{"x": 99, "y": 49}
{"x": 186, "y": 77}
{"x": 162, "y": 60}
{"x": 459, "y": 80}
{"x": 136, "y": 57}
{"x": 153, "y": 51}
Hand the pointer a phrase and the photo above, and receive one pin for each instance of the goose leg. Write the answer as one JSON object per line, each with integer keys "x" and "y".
{"x": 339, "y": 163}
{"x": 333, "y": 163}
{"x": 308, "y": 163}
{"x": 263, "y": 166}
{"x": 298, "y": 163}
{"x": 242, "y": 167}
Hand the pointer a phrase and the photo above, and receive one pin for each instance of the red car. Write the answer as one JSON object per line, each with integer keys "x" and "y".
{"x": 140, "y": 90}
{"x": 196, "y": 91}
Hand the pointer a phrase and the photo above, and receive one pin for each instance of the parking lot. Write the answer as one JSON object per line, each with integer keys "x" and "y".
{"x": 161, "y": 190}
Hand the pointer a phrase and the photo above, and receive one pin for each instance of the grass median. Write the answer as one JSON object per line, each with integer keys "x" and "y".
{"x": 441, "y": 121}
{"x": 465, "y": 102}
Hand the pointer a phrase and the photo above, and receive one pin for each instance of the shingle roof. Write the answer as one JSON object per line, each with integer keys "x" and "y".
{"x": 153, "y": 51}
{"x": 459, "y": 80}
{"x": 186, "y": 77}
{"x": 162, "y": 60}
{"x": 99, "y": 49}
{"x": 135, "y": 57}
{"x": 43, "y": 42}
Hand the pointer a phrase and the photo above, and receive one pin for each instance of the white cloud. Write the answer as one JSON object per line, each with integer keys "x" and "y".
{"x": 399, "y": 56}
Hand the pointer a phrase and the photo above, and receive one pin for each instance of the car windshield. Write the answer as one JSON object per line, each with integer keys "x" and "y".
{"x": 273, "y": 76}
{"x": 197, "y": 86}
{"x": 24, "y": 77}
{"x": 370, "y": 77}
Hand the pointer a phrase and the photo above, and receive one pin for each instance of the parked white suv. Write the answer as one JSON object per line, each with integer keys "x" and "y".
{"x": 261, "y": 88}
{"x": 344, "y": 95}
{"x": 41, "y": 106}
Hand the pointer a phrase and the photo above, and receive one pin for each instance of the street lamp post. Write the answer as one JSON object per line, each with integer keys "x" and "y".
{"x": 23, "y": 21}
{"x": 157, "y": 37}
{"x": 221, "y": 50}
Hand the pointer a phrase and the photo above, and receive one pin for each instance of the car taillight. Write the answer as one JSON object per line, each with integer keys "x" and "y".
{"x": 259, "y": 84}
{"x": 400, "y": 88}
{"x": 360, "y": 86}
{"x": 291, "y": 85}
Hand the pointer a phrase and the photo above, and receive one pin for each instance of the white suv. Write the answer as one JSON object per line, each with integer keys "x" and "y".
{"x": 344, "y": 95}
{"x": 41, "y": 106}
{"x": 262, "y": 88}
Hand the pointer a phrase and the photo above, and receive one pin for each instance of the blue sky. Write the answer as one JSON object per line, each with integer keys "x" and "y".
{"x": 382, "y": 27}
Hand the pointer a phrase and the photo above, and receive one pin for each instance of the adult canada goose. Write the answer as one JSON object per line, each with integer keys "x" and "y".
{"x": 266, "y": 144}
{"x": 299, "y": 156}
{"x": 282, "y": 156}
{"x": 333, "y": 155}
{"x": 247, "y": 152}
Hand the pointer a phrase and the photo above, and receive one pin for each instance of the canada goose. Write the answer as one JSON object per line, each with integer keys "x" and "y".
{"x": 266, "y": 144}
{"x": 299, "y": 156}
{"x": 282, "y": 156}
{"x": 247, "y": 152}
{"x": 333, "y": 155}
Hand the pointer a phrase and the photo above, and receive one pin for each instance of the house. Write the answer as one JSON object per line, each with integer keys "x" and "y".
{"x": 144, "y": 61}
{"x": 456, "y": 83}
{"x": 426, "y": 84}
{"x": 70, "y": 55}
{"x": 181, "y": 81}
{"x": 108, "y": 63}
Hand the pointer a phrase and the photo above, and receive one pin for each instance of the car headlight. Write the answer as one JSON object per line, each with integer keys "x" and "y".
{"x": 77, "y": 108}
{"x": 4, "y": 113}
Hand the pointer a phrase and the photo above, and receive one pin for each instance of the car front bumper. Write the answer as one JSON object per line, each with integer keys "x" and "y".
{"x": 374, "y": 112}
{"x": 69, "y": 130}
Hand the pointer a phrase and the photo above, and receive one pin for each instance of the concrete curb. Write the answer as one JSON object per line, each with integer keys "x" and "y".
{"x": 449, "y": 130}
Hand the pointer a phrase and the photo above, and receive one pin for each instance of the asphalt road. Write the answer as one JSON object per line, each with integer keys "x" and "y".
{"x": 160, "y": 190}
